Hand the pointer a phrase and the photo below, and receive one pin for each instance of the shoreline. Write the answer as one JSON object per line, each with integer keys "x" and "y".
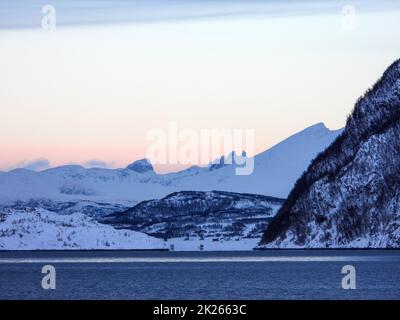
{"x": 204, "y": 251}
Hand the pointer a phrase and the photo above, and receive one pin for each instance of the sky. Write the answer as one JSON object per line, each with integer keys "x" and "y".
{"x": 90, "y": 91}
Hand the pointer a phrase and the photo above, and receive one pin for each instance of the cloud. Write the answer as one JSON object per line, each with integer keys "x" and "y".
{"x": 35, "y": 165}
{"x": 22, "y": 13}
{"x": 94, "y": 163}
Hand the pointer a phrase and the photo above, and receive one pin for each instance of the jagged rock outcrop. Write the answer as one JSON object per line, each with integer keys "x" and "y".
{"x": 231, "y": 159}
{"x": 350, "y": 194}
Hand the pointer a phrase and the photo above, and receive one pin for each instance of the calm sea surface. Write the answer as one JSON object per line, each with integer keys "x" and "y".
{"x": 201, "y": 275}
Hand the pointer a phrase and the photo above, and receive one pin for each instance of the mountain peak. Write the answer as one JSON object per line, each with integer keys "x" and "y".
{"x": 318, "y": 127}
{"x": 141, "y": 166}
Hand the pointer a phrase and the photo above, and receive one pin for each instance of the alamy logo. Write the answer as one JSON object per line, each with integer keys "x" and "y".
{"x": 349, "y": 280}
{"x": 49, "y": 280}
{"x": 192, "y": 147}
{"x": 49, "y": 17}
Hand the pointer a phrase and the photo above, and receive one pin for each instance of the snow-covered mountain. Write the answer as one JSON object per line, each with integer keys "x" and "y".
{"x": 194, "y": 215}
{"x": 274, "y": 174}
{"x": 350, "y": 194}
{"x": 39, "y": 229}
{"x": 275, "y": 170}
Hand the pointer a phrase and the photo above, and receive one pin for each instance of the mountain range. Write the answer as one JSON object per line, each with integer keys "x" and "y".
{"x": 180, "y": 207}
{"x": 275, "y": 172}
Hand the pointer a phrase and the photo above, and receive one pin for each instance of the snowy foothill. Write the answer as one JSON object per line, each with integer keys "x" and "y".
{"x": 39, "y": 229}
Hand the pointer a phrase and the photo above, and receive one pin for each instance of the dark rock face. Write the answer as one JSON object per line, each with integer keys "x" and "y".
{"x": 192, "y": 214}
{"x": 231, "y": 159}
{"x": 141, "y": 166}
{"x": 350, "y": 194}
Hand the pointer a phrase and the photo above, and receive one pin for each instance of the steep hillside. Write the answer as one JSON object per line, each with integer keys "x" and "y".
{"x": 350, "y": 194}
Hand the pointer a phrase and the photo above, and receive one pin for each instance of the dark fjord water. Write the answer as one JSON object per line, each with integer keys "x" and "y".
{"x": 201, "y": 275}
